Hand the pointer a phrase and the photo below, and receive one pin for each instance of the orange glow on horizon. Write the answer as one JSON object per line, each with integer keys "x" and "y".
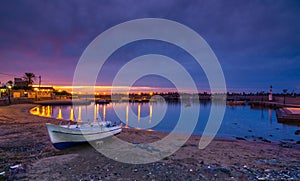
{"x": 87, "y": 89}
{"x": 105, "y": 89}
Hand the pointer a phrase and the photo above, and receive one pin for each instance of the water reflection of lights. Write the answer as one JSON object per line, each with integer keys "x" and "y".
{"x": 127, "y": 110}
{"x": 43, "y": 110}
{"x": 59, "y": 115}
{"x": 150, "y": 113}
{"x": 72, "y": 115}
{"x": 79, "y": 114}
{"x": 49, "y": 111}
{"x": 139, "y": 112}
{"x": 104, "y": 112}
{"x": 35, "y": 111}
{"x": 95, "y": 113}
{"x": 76, "y": 114}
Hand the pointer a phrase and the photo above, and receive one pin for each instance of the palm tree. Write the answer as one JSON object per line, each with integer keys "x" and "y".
{"x": 9, "y": 83}
{"x": 29, "y": 77}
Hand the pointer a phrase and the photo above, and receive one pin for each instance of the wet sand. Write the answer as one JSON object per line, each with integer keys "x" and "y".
{"x": 24, "y": 140}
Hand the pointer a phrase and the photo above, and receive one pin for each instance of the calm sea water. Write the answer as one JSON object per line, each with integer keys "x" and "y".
{"x": 238, "y": 121}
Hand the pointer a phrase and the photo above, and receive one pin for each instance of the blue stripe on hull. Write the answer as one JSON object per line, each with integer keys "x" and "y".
{"x": 65, "y": 145}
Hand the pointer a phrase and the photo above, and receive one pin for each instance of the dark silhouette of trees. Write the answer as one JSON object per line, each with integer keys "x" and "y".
{"x": 29, "y": 77}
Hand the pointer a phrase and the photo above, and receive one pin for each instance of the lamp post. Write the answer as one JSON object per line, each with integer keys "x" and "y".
{"x": 9, "y": 87}
{"x": 36, "y": 93}
{"x": 284, "y": 93}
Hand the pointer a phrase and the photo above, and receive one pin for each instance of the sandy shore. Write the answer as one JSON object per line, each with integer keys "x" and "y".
{"x": 24, "y": 140}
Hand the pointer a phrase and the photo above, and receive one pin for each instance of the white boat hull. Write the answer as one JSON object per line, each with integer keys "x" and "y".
{"x": 64, "y": 136}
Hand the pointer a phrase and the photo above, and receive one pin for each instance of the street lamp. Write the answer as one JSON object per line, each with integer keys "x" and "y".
{"x": 9, "y": 87}
{"x": 36, "y": 93}
{"x": 284, "y": 93}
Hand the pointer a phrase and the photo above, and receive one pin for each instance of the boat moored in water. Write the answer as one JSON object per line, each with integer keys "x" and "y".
{"x": 102, "y": 101}
{"x": 288, "y": 115}
{"x": 236, "y": 103}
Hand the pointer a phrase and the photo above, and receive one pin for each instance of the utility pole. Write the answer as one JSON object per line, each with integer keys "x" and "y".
{"x": 9, "y": 101}
{"x": 284, "y": 93}
{"x": 40, "y": 81}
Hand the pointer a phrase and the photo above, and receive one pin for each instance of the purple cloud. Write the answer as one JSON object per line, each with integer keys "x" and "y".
{"x": 257, "y": 42}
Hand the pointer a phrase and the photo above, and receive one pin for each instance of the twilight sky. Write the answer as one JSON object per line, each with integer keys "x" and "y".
{"x": 256, "y": 42}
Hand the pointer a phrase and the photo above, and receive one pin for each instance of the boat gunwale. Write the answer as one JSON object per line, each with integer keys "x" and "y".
{"x": 64, "y": 130}
{"x": 54, "y": 131}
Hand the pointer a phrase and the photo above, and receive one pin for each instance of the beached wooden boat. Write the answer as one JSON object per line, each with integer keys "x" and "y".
{"x": 64, "y": 136}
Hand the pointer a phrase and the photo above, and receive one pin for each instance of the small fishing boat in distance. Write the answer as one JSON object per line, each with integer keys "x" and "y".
{"x": 236, "y": 103}
{"x": 64, "y": 136}
{"x": 288, "y": 115}
{"x": 102, "y": 101}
